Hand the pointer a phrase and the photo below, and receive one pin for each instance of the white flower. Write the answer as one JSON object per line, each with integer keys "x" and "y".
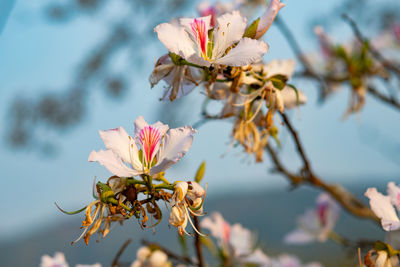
{"x": 316, "y": 224}
{"x": 382, "y": 206}
{"x": 57, "y": 261}
{"x": 268, "y": 17}
{"x": 190, "y": 40}
{"x": 234, "y": 239}
{"x": 285, "y": 260}
{"x": 181, "y": 79}
{"x": 147, "y": 258}
{"x": 152, "y": 150}
{"x": 188, "y": 198}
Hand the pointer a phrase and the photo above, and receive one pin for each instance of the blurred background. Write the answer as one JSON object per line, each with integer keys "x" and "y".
{"x": 70, "y": 68}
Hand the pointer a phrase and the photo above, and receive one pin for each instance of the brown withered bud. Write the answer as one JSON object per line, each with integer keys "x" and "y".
{"x": 130, "y": 193}
{"x": 150, "y": 209}
{"x": 237, "y": 81}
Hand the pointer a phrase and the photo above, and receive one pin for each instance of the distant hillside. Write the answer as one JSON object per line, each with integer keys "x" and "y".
{"x": 270, "y": 215}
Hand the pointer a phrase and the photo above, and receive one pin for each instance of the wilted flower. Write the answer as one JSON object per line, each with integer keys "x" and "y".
{"x": 152, "y": 150}
{"x": 180, "y": 79}
{"x": 275, "y": 91}
{"x": 57, "y": 261}
{"x": 316, "y": 224}
{"x": 382, "y": 256}
{"x": 187, "y": 200}
{"x": 382, "y": 206}
{"x": 190, "y": 40}
{"x": 145, "y": 257}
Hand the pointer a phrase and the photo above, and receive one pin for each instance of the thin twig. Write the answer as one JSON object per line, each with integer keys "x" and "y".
{"x": 309, "y": 71}
{"x": 389, "y": 100}
{"x": 386, "y": 63}
{"x": 197, "y": 242}
{"x": 170, "y": 254}
{"x": 323, "y": 79}
{"x": 300, "y": 149}
{"x": 345, "y": 198}
{"x": 120, "y": 251}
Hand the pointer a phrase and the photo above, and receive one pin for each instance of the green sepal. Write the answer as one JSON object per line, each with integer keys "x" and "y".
{"x": 279, "y": 81}
{"x": 182, "y": 243}
{"x": 176, "y": 59}
{"x": 70, "y": 212}
{"x": 106, "y": 192}
{"x": 200, "y": 172}
{"x": 296, "y": 91}
{"x": 252, "y": 29}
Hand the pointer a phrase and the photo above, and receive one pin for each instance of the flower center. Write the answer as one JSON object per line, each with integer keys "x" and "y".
{"x": 199, "y": 30}
{"x": 396, "y": 31}
{"x": 226, "y": 231}
{"x": 322, "y": 211}
{"x": 149, "y": 138}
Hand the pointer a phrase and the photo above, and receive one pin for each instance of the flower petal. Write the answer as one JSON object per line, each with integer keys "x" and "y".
{"x": 113, "y": 163}
{"x": 394, "y": 194}
{"x": 241, "y": 240}
{"x": 248, "y": 51}
{"x": 383, "y": 208}
{"x": 290, "y": 98}
{"x": 268, "y": 17}
{"x": 117, "y": 140}
{"x": 181, "y": 81}
{"x": 229, "y": 30}
{"x": 176, "y": 143}
{"x": 175, "y": 39}
{"x": 299, "y": 236}
{"x": 257, "y": 258}
{"x": 283, "y": 67}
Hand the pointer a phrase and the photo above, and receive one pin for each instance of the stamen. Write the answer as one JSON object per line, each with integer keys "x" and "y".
{"x": 199, "y": 31}
{"x": 149, "y": 138}
{"x": 191, "y": 223}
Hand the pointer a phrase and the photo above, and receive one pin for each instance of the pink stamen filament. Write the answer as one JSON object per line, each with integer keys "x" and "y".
{"x": 199, "y": 30}
{"x": 149, "y": 139}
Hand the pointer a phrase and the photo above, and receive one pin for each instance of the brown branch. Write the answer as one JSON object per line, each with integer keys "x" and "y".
{"x": 307, "y": 176}
{"x": 362, "y": 39}
{"x": 170, "y": 254}
{"x": 119, "y": 253}
{"x": 197, "y": 242}
{"x": 347, "y": 200}
{"x": 300, "y": 149}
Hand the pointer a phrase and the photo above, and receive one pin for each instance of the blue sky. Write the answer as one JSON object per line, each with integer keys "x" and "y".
{"x": 36, "y": 54}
